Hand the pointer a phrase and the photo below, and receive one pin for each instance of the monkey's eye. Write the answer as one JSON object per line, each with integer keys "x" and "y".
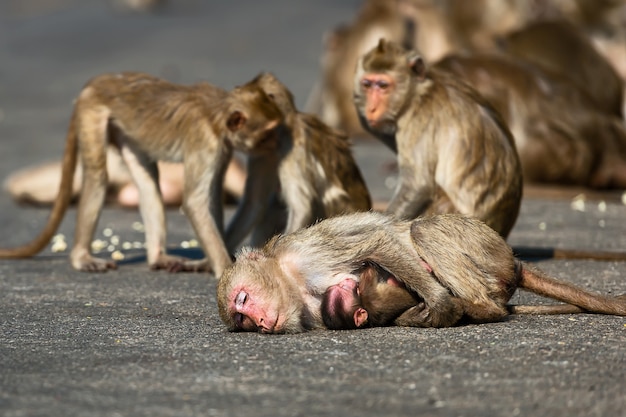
{"x": 365, "y": 83}
{"x": 383, "y": 85}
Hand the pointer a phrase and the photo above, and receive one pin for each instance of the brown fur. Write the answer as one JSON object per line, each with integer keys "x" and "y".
{"x": 318, "y": 175}
{"x": 279, "y": 288}
{"x": 564, "y": 49}
{"x": 451, "y": 143}
{"x": 561, "y": 136}
{"x": 149, "y": 119}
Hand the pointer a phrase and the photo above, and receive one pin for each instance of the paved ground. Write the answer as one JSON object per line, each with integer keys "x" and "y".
{"x": 141, "y": 343}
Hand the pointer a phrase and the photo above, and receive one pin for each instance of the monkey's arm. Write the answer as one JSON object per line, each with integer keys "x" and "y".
{"x": 261, "y": 186}
{"x": 409, "y": 199}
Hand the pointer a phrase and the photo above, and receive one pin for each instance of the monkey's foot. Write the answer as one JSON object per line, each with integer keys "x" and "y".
{"x": 178, "y": 264}
{"x": 91, "y": 264}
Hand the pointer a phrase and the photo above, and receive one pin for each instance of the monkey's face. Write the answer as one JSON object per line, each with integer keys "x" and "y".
{"x": 341, "y": 306}
{"x": 376, "y": 90}
{"x": 254, "y": 122}
{"x": 254, "y": 296}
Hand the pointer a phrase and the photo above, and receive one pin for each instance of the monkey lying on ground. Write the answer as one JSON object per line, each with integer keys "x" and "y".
{"x": 313, "y": 168}
{"x": 370, "y": 297}
{"x": 39, "y": 184}
{"x": 472, "y": 272}
{"x": 150, "y": 119}
{"x": 455, "y": 152}
{"x": 378, "y": 299}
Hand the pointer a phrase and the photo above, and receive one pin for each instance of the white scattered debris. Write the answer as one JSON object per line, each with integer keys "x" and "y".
{"x": 108, "y": 232}
{"x": 578, "y": 203}
{"x": 602, "y": 223}
{"x": 602, "y": 206}
{"x": 115, "y": 240}
{"x": 117, "y": 255}
{"x": 127, "y": 245}
{"x": 624, "y": 198}
{"x": 98, "y": 244}
{"x": 58, "y": 243}
{"x": 138, "y": 226}
{"x": 542, "y": 226}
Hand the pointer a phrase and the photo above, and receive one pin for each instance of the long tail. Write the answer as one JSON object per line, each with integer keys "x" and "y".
{"x": 554, "y": 253}
{"x": 539, "y": 282}
{"x": 547, "y": 309}
{"x": 60, "y": 204}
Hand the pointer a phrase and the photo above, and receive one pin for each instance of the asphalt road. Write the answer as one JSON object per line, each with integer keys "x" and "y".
{"x": 138, "y": 343}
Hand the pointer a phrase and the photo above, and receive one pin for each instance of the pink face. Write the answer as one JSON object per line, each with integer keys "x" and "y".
{"x": 251, "y": 314}
{"x": 345, "y": 294}
{"x": 377, "y": 89}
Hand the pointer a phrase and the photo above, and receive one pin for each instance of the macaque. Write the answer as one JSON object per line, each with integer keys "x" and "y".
{"x": 39, "y": 184}
{"x": 561, "y": 137}
{"x": 471, "y": 271}
{"x": 331, "y": 98}
{"x": 149, "y": 119}
{"x": 378, "y": 299}
{"x": 561, "y": 47}
{"x": 314, "y": 166}
{"x": 455, "y": 152}
{"x": 371, "y": 297}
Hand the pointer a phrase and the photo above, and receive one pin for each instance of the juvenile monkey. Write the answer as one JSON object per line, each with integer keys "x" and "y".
{"x": 472, "y": 272}
{"x": 314, "y": 166}
{"x": 378, "y": 299}
{"x": 150, "y": 119}
{"x": 455, "y": 153}
{"x": 370, "y": 297}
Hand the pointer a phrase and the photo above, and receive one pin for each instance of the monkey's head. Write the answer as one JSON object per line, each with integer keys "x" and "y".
{"x": 252, "y": 296}
{"x": 253, "y": 120}
{"x": 384, "y": 84}
{"x": 341, "y": 306}
{"x": 277, "y": 92}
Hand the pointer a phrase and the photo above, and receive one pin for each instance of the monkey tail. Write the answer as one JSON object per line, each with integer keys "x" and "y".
{"x": 553, "y": 253}
{"x": 60, "y": 203}
{"x": 545, "y": 309}
{"x": 586, "y": 254}
{"x": 539, "y": 282}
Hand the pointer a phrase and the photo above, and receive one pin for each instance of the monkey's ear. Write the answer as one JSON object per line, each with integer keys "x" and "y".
{"x": 360, "y": 317}
{"x": 235, "y": 121}
{"x": 417, "y": 65}
{"x": 381, "y": 45}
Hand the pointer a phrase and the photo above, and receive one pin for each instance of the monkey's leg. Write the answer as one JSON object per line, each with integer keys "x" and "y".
{"x": 483, "y": 312}
{"x": 422, "y": 315}
{"x": 146, "y": 177}
{"x": 204, "y": 178}
{"x": 92, "y": 147}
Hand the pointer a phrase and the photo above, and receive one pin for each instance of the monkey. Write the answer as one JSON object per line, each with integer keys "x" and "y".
{"x": 314, "y": 167}
{"x": 472, "y": 271}
{"x": 563, "y": 48}
{"x": 455, "y": 152}
{"x": 150, "y": 119}
{"x": 369, "y": 297}
{"x": 378, "y": 299}
{"x": 560, "y": 134}
{"x": 39, "y": 185}
{"x": 331, "y": 97}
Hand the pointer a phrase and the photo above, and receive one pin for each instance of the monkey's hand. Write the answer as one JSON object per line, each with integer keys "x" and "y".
{"x": 444, "y": 314}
